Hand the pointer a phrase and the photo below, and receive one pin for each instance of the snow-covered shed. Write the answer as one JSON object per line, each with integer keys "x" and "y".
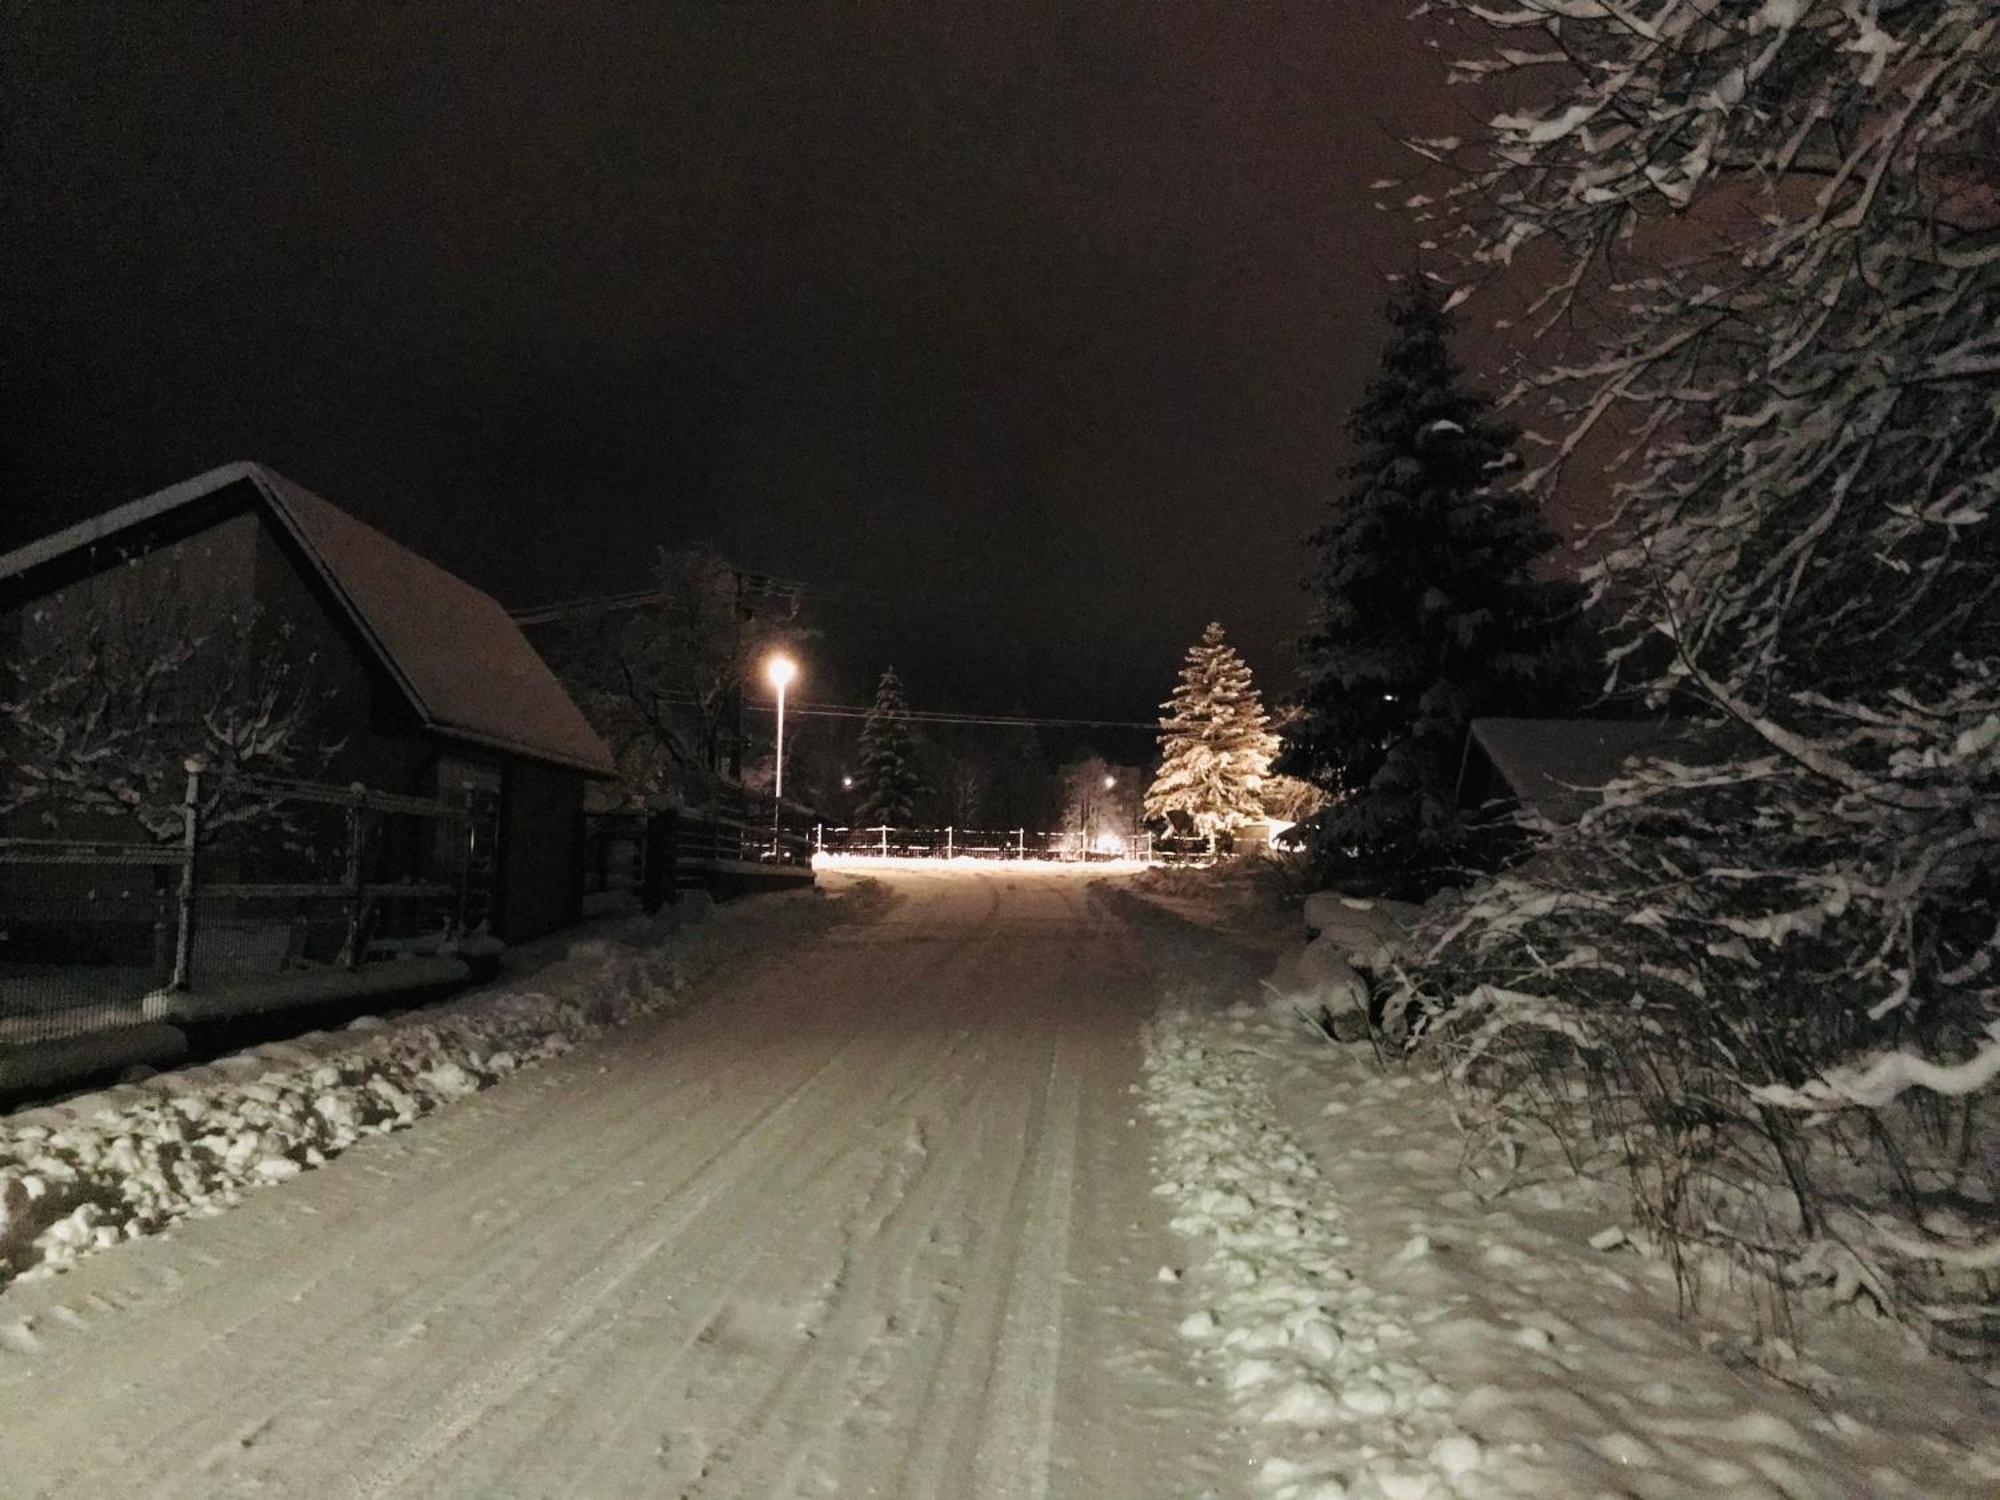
{"x": 1554, "y": 769}
{"x": 426, "y": 684}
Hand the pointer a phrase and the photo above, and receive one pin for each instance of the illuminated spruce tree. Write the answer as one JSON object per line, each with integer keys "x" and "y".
{"x": 1425, "y": 613}
{"x": 1215, "y": 743}
{"x": 890, "y": 779}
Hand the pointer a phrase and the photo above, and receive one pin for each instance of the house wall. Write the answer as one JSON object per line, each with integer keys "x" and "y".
{"x": 541, "y": 849}
{"x": 240, "y": 568}
{"x": 198, "y": 583}
{"x": 205, "y": 577}
{"x": 357, "y": 709}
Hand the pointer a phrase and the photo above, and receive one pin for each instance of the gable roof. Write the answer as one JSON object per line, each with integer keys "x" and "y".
{"x": 1556, "y": 768}
{"x": 462, "y": 663}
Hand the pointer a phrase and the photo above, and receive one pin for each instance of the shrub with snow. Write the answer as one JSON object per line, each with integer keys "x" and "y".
{"x": 1772, "y": 977}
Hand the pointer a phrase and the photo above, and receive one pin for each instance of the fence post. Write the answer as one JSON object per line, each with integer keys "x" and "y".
{"x": 885, "y": 840}
{"x": 950, "y": 844}
{"x": 1149, "y": 846}
{"x": 819, "y": 838}
{"x": 356, "y": 872}
{"x": 183, "y": 975}
{"x": 1020, "y": 843}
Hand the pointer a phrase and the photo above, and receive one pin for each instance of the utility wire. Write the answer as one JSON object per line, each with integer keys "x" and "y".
{"x": 926, "y": 716}
{"x": 764, "y": 586}
{"x": 919, "y": 715}
{"x": 758, "y": 586}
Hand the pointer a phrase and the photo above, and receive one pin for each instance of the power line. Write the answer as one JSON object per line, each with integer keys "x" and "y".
{"x": 754, "y": 586}
{"x": 763, "y": 586}
{"x": 945, "y": 716}
{"x": 922, "y": 715}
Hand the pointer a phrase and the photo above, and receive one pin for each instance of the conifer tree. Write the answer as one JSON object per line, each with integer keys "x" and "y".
{"x": 1425, "y": 613}
{"x": 1215, "y": 742}
{"x": 890, "y": 779}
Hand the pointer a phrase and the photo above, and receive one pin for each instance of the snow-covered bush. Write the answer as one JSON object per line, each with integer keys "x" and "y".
{"x": 1774, "y": 974}
{"x": 1787, "y": 1025}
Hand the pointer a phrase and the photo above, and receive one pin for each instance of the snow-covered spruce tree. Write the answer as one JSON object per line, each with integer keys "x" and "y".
{"x": 1782, "y": 965}
{"x": 1425, "y": 615}
{"x": 890, "y": 779}
{"x": 1215, "y": 742}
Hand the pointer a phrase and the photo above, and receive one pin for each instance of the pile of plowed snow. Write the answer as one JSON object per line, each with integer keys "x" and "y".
{"x": 83, "y": 1176}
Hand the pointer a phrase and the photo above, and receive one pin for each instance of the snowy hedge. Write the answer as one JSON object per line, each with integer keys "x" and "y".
{"x": 1773, "y": 975}
{"x": 1777, "y": 998}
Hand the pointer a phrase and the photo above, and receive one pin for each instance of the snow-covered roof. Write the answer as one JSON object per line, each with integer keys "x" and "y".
{"x": 1556, "y": 767}
{"x": 463, "y": 664}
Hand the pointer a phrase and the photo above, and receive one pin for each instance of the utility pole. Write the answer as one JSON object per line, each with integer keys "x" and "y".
{"x": 740, "y": 612}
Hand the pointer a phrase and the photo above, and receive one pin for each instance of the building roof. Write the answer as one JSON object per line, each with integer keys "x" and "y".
{"x": 1556, "y": 768}
{"x": 460, "y": 660}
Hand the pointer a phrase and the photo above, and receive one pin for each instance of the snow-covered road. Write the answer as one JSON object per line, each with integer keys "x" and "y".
{"x": 874, "y": 1218}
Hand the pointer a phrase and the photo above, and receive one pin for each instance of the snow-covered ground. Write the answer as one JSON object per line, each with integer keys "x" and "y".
{"x": 1383, "y": 1330}
{"x": 97, "y": 1169}
{"x": 929, "y": 1196}
{"x": 872, "y": 1218}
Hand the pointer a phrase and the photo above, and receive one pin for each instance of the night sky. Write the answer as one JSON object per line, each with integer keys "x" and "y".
{"x": 1029, "y": 329}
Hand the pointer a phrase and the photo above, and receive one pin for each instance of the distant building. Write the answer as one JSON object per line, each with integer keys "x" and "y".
{"x": 427, "y": 685}
{"x": 1553, "y": 770}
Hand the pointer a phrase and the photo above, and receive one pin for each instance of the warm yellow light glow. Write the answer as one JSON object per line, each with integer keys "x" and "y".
{"x": 780, "y": 670}
{"x": 1110, "y": 843}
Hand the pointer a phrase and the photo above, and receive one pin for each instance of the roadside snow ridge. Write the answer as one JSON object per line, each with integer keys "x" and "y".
{"x": 1314, "y": 1362}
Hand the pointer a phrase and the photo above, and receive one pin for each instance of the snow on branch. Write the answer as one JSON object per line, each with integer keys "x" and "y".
{"x": 1783, "y": 222}
{"x": 1883, "y": 1079}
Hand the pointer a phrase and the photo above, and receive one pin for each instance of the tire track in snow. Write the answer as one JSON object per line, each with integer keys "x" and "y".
{"x": 591, "y": 1279}
{"x": 779, "y": 1167}
{"x": 831, "y": 1293}
{"x": 882, "y": 1301}
{"x": 1022, "y": 1442}
{"x": 724, "y": 1170}
{"x": 505, "y": 1264}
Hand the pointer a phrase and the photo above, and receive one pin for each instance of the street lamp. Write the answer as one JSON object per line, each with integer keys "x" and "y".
{"x": 780, "y": 670}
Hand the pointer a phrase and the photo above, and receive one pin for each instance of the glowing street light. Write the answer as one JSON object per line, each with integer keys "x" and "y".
{"x": 780, "y": 670}
{"x": 1110, "y": 782}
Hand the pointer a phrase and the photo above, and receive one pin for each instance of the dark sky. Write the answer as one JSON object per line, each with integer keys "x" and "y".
{"x": 1030, "y": 327}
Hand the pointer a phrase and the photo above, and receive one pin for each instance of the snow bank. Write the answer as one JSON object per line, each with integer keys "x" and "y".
{"x": 1366, "y": 931}
{"x": 1390, "y": 1320}
{"x": 79, "y": 1177}
{"x": 1319, "y": 1366}
{"x": 1319, "y": 985}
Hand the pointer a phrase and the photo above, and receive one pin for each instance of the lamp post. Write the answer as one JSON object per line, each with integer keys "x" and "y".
{"x": 780, "y": 670}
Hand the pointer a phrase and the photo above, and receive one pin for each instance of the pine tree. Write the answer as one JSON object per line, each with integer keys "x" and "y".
{"x": 890, "y": 780}
{"x": 1215, "y": 742}
{"x": 1425, "y": 613}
